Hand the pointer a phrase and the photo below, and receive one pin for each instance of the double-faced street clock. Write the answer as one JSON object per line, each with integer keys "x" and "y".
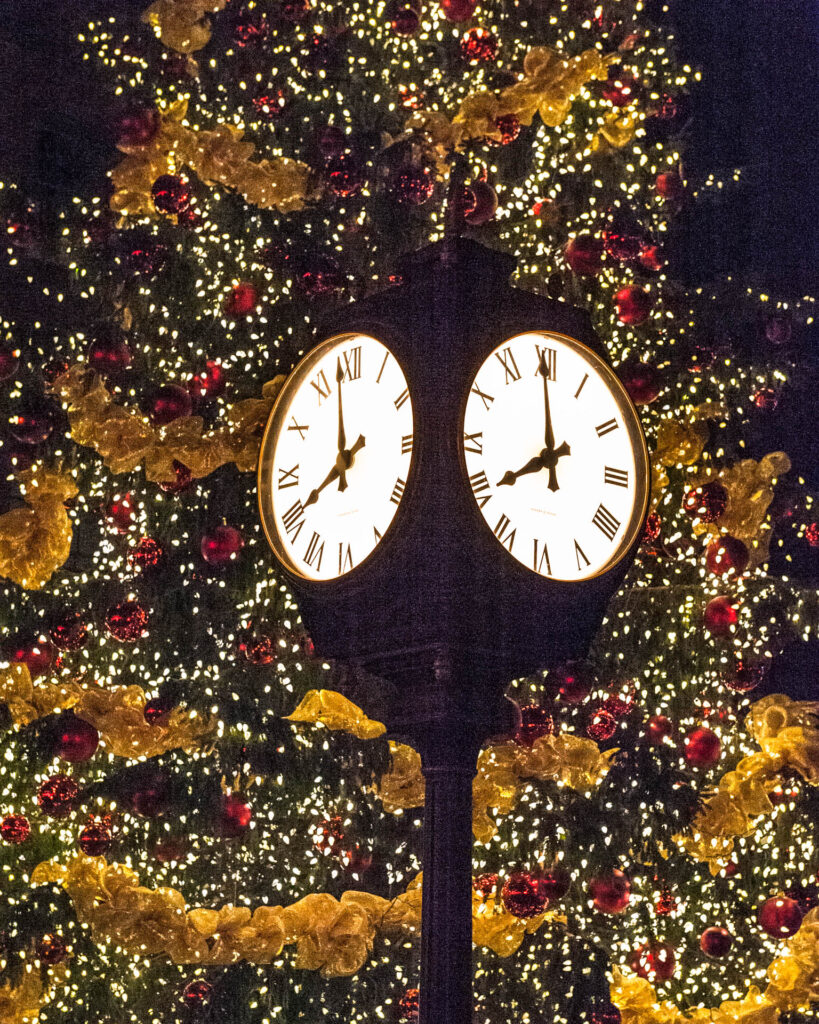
{"x": 454, "y": 483}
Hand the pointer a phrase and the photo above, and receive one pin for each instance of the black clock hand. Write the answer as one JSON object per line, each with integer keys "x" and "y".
{"x": 343, "y": 462}
{"x": 313, "y": 496}
{"x": 532, "y": 466}
{"x": 544, "y": 372}
{"x": 342, "y": 437}
{"x": 550, "y": 455}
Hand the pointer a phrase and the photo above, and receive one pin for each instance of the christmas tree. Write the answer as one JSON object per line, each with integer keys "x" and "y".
{"x": 195, "y": 823}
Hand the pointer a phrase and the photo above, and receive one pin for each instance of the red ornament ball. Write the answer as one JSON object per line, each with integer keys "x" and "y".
{"x": 182, "y": 480}
{"x": 156, "y": 710}
{"x": 779, "y": 327}
{"x": 651, "y": 257}
{"x": 345, "y": 176}
{"x": 145, "y": 254}
{"x": 37, "y": 655}
{"x": 554, "y": 883}
{"x": 109, "y": 354}
{"x": 409, "y": 1006}
{"x": 320, "y": 275}
{"x": 707, "y": 502}
{"x": 642, "y": 381}
{"x": 221, "y": 545}
{"x": 242, "y": 300}
{"x": 780, "y": 917}
{"x": 331, "y": 141}
{"x": 584, "y": 254}
{"x": 655, "y": 961}
{"x": 411, "y": 184}
{"x": 137, "y": 127}
{"x": 669, "y": 186}
{"x": 151, "y": 795}
{"x": 57, "y": 795}
{"x": 610, "y": 893}
{"x": 147, "y": 554}
{"x": 485, "y": 884}
{"x": 171, "y": 194}
{"x": 259, "y": 650}
{"x": 9, "y": 362}
{"x": 95, "y": 839}
{"x": 197, "y": 994}
{"x": 509, "y": 127}
{"x": 658, "y": 729}
{"x": 271, "y": 103}
{"x": 719, "y": 615}
{"x": 812, "y": 534}
{"x": 209, "y": 382}
{"x": 726, "y": 554}
{"x": 745, "y": 675}
{"x": 572, "y": 682}
{"x": 666, "y": 903}
{"x": 330, "y": 836}
{"x": 15, "y": 829}
{"x": 621, "y": 87}
{"x": 622, "y": 239}
{"x": 765, "y": 399}
{"x": 250, "y": 28}
{"x": 654, "y": 524}
{"x": 234, "y": 819}
{"x": 601, "y": 725}
{"x": 458, "y": 10}
{"x": 481, "y": 203}
{"x": 32, "y": 424}
{"x": 70, "y": 632}
{"x": 521, "y": 895}
{"x": 404, "y": 18}
{"x": 535, "y": 721}
{"x": 703, "y": 748}
{"x": 170, "y": 402}
{"x": 604, "y": 1013}
{"x": 51, "y": 949}
{"x": 479, "y": 46}
{"x": 716, "y": 942}
{"x": 126, "y": 621}
{"x": 633, "y": 304}
{"x": 76, "y": 740}
{"x": 170, "y": 849}
{"x": 120, "y": 513}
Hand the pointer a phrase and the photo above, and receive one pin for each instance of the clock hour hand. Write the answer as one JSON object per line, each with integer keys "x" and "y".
{"x": 313, "y": 496}
{"x": 344, "y": 460}
{"x": 532, "y": 466}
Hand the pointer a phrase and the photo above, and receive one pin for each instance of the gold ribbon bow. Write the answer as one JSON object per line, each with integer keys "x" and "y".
{"x": 334, "y": 711}
{"x": 181, "y": 24}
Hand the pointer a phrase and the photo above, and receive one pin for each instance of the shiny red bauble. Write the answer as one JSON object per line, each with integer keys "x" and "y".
{"x": 171, "y": 194}
{"x": 669, "y": 185}
{"x": 51, "y": 949}
{"x": 651, "y": 257}
{"x": 654, "y": 524}
{"x": 120, "y": 513}
{"x": 109, "y": 354}
{"x": 197, "y": 993}
{"x": 151, "y": 795}
{"x": 458, "y": 10}
{"x": 170, "y": 849}
{"x": 572, "y": 682}
{"x": 15, "y": 829}
{"x": 702, "y": 747}
{"x": 509, "y": 127}
{"x": 126, "y": 621}
{"x": 242, "y": 299}
{"x": 182, "y": 479}
{"x": 57, "y": 796}
{"x": 479, "y": 46}
{"x": 403, "y": 17}
{"x": 331, "y": 141}
{"x": 812, "y": 534}
{"x": 320, "y": 274}
{"x": 330, "y": 836}
{"x": 156, "y": 710}
{"x": 345, "y": 176}
{"x": 780, "y": 917}
{"x": 610, "y": 893}
{"x": 633, "y": 304}
{"x": 137, "y": 127}
{"x": 521, "y": 895}
{"x": 622, "y": 238}
{"x": 655, "y": 961}
{"x": 147, "y": 554}
{"x": 601, "y": 725}
{"x": 221, "y": 545}
{"x": 271, "y": 103}
{"x": 485, "y": 884}
{"x": 726, "y": 554}
{"x": 584, "y": 254}
{"x": 716, "y": 942}
{"x": 621, "y": 87}
{"x": 32, "y": 424}
{"x": 719, "y": 615}
{"x": 209, "y": 382}
{"x": 234, "y": 817}
{"x": 642, "y": 381}
{"x": 707, "y": 502}
{"x": 259, "y": 650}
{"x": 765, "y": 399}
{"x": 75, "y": 740}
{"x": 744, "y": 676}
{"x": 409, "y": 1006}
{"x": 411, "y": 184}
{"x": 481, "y": 203}
{"x": 9, "y": 362}
{"x": 665, "y": 904}
{"x": 39, "y": 656}
{"x": 169, "y": 403}
{"x": 535, "y": 721}
{"x": 554, "y": 883}
{"x": 95, "y": 839}
{"x": 659, "y": 728}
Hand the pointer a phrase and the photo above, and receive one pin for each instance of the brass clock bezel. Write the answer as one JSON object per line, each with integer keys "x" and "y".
{"x": 264, "y": 469}
{"x": 634, "y": 428}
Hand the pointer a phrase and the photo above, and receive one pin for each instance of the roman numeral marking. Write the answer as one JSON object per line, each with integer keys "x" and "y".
{"x": 398, "y": 490}
{"x": 288, "y": 477}
{"x": 352, "y": 363}
{"x": 550, "y": 355}
{"x": 293, "y": 520}
{"x": 345, "y": 558}
{"x": 510, "y": 367}
{"x": 474, "y": 443}
{"x": 321, "y": 386}
{"x": 578, "y": 554}
{"x": 406, "y": 444}
{"x": 537, "y": 563}
{"x": 480, "y": 484}
{"x": 504, "y": 534}
{"x": 402, "y": 398}
{"x": 582, "y": 383}
{"x": 486, "y": 399}
{"x": 607, "y": 427}
{"x": 617, "y": 477}
{"x": 378, "y": 378}
{"x": 314, "y": 552}
{"x": 605, "y": 522}
{"x": 302, "y": 429}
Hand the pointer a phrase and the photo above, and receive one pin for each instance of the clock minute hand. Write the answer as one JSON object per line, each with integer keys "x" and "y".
{"x": 342, "y": 437}
{"x": 544, "y": 372}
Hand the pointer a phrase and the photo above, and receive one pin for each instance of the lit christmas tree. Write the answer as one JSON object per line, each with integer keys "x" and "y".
{"x": 195, "y": 825}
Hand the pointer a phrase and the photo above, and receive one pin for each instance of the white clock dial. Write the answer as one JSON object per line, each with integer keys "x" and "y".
{"x": 336, "y": 456}
{"x": 557, "y": 463}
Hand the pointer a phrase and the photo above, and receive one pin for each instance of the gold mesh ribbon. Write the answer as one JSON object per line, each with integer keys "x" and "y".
{"x": 334, "y": 711}
{"x": 182, "y": 25}
{"x": 21, "y": 1003}
{"x": 35, "y": 541}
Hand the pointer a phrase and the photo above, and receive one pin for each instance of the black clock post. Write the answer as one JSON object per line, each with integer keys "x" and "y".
{"x": 439, "y": 612}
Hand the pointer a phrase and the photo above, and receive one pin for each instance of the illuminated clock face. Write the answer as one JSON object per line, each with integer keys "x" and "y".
{"x": 336, "y": 456}
{"x": 555, "y": 456}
